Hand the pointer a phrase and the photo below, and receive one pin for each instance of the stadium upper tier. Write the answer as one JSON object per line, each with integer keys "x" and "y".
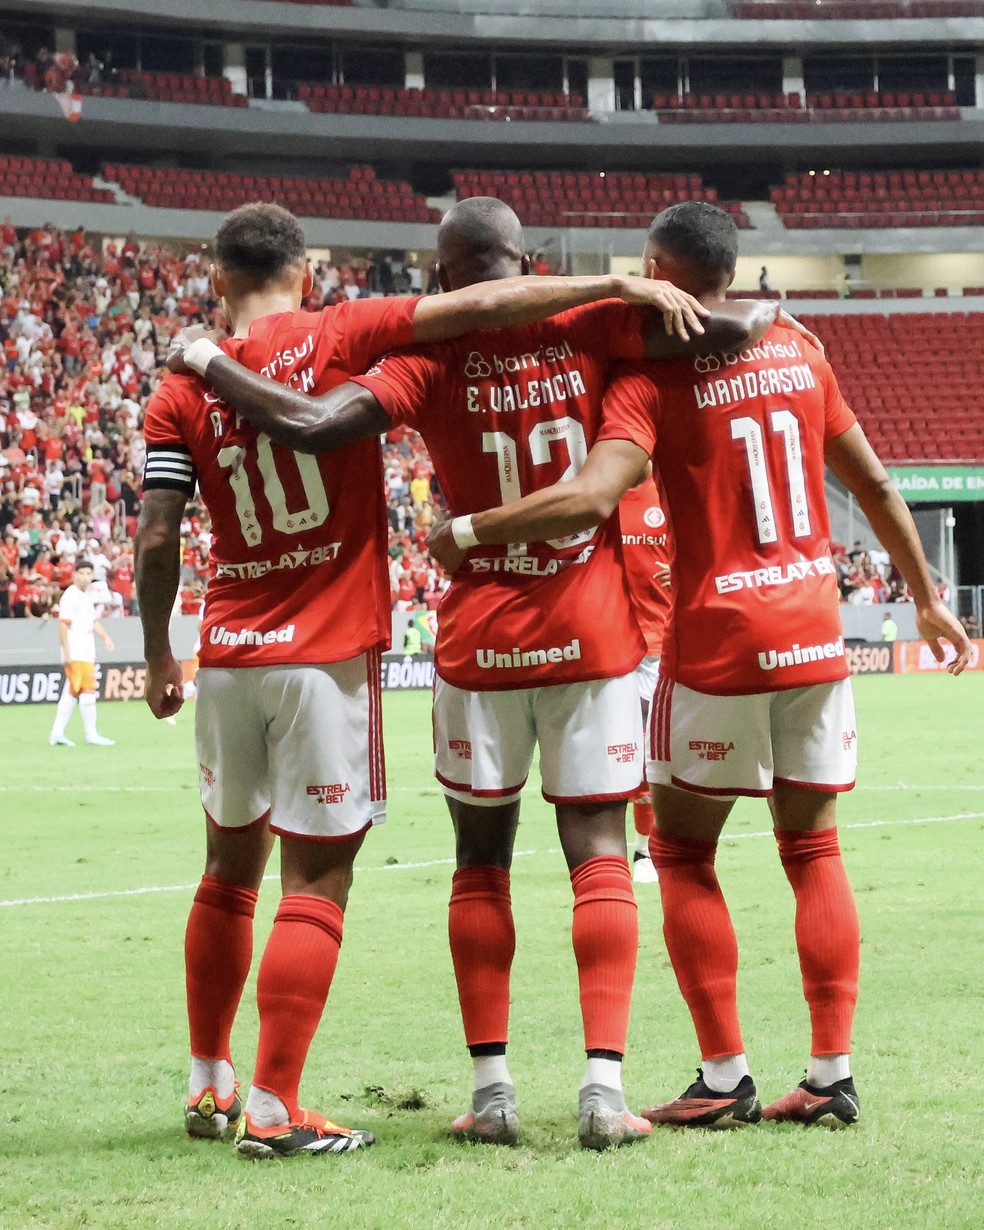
{"x": 783, "y": 10}
{"x": 816, "y": 108}
{"x": 854, "y": 10}
{"x": 572, "y": 198}
{"x": 51, "y": 178}
{"x": 359, "y": 195}
{"x": 442, "y": 104}
{"x": 913, "y": 380}
{"x": 618, "y": 27}
{"x": 166, "y": 87}
{"x": 551, "y": 199}
{"x": 873, "y": 198}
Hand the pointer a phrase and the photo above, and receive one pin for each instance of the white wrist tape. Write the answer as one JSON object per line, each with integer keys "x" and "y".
{"x": 462, "y": 533}
{"x": 200, "y": 353}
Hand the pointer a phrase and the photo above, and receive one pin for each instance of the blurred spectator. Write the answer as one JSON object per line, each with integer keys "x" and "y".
{"x": 412, "y": 641}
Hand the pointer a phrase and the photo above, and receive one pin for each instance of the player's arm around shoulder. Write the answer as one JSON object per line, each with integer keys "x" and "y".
{"x": 580, "y": 503}
{"x": 852, "y": 459}
{"x": 301, "y": 422}
{"x": 507, "y": 302}
{"x": 730, "y": 327}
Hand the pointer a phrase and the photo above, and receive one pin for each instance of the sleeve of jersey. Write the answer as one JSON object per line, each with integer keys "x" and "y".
{"x": 169, "y": 466}
{"x": 622, "y": 325}
{"x": 401, "y": 383}
{"x": 66, "y": 608}
{"x": 631, "y": 407}
{"x": 838, "y": 415}
{"x": 373, "y": 327}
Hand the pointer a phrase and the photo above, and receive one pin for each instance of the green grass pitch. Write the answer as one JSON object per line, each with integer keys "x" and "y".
{"x": 101, "y": 850}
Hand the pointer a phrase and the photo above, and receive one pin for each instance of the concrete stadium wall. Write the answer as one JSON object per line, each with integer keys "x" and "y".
{"x": 578, "y": 24}
{"x": 34, "y": 642}
{"x": 280, "y": 130}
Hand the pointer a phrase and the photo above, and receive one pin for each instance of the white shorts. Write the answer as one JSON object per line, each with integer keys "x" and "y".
{"x": 647, "y": 672}
{"x": 302, "y": 744}
{"x": 589, "y": 736}
{"x": 731, "y": 745}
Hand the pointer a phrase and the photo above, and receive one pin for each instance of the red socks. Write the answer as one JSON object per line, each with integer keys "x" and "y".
{"x": 605, "y": 934}
{"x": 700, "y": 940}
{"x": 702, "y": 946}
{"x": 643, "y": 816}
{"x": 828, "y": 935}
{"x": 295, "y": 975}
{"x": 218, "y": 952}
{"x": 483, "y": 940}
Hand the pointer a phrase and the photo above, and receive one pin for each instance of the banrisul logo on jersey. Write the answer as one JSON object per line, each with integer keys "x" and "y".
{"x": 476, "y": 367}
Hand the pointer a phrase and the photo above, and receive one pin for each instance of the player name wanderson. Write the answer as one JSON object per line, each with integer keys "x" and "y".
{"x": 726, "y": 390}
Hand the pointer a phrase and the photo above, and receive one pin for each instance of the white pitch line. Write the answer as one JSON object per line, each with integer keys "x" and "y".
{"x": 37, "y": 788}
{"x": 904, "y": 786}
{"x": 422, "y": 791}
{"x": 448, "y": 862}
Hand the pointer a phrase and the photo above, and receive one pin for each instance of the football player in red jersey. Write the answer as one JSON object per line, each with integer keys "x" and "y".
{"x": 535, "y": 646}
{"x": 288, "y": 713}
{"x": 645, "y": 545}
{"x": 753, "y": 697}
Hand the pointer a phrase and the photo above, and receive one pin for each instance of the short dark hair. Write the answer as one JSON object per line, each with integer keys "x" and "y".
{"x": 83, "y": 563}
{"x": 701, "y": 235}
{"x": 260, "y": 242}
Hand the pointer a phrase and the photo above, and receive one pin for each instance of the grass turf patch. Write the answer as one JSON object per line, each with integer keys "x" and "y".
{"x": 94, "y": 1042}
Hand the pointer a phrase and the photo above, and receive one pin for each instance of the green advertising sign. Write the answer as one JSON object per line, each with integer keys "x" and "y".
{"x": 938, "y": 484}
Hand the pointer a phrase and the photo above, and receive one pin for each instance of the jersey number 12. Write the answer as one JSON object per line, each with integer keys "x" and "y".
{"x": 565, "y": 431}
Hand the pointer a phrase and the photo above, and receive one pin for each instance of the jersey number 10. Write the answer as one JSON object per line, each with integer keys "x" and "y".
{"x": 285, "y": 520}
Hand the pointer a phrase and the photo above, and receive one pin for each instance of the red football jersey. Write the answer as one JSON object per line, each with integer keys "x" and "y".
{"x": 738, "y": 441}
{"x": 298, "y": 560}
{"x": 645, "y": 545}
{"x": 505, "y": 413}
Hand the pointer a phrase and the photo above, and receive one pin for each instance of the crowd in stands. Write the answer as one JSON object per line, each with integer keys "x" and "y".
{"x": 867, "y": 576}
{"x": 84, "y": 332}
